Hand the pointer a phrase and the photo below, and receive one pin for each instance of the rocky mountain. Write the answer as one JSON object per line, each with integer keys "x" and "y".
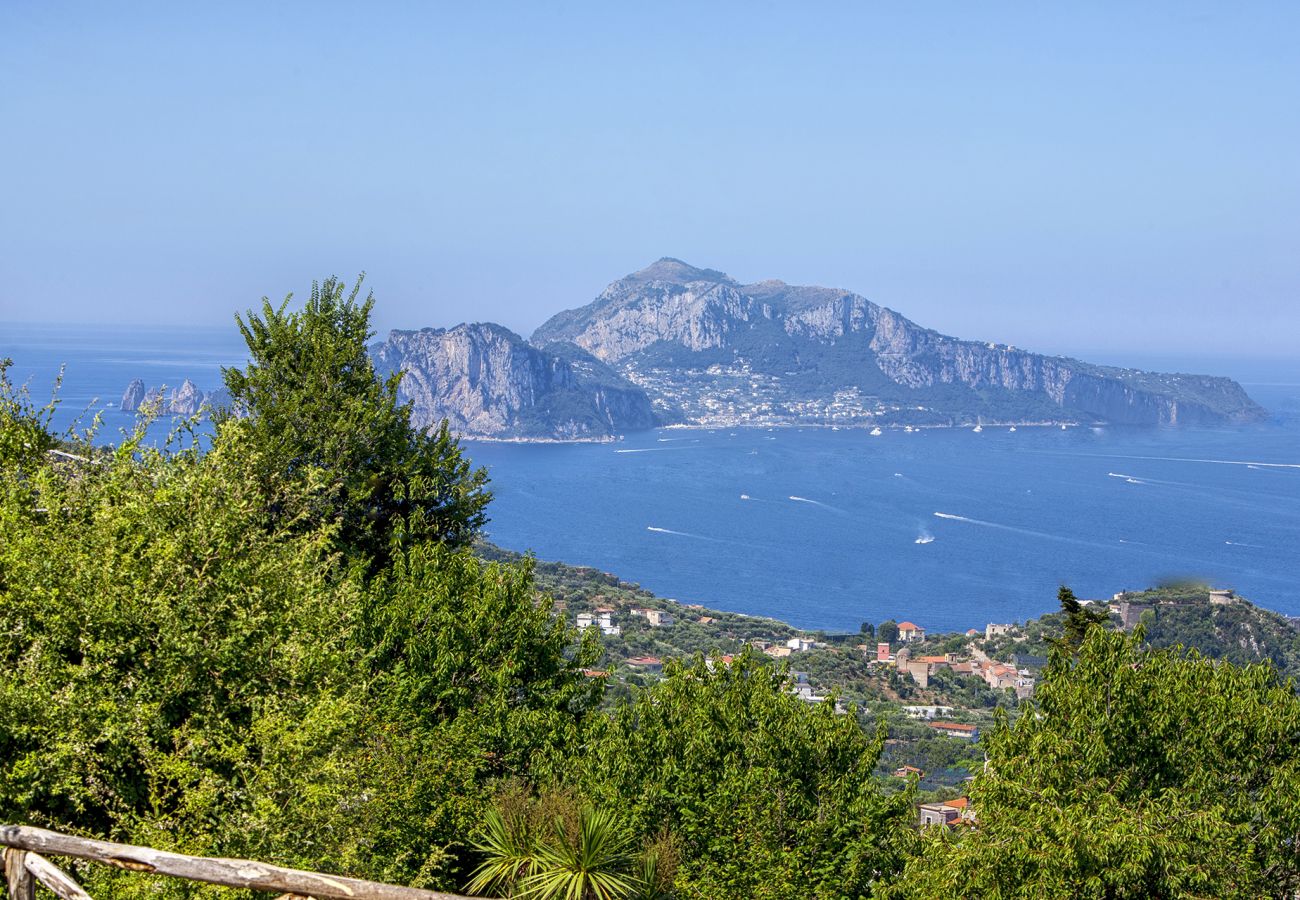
{"x": 133, "y": 396}
{"x": 489, "y": 382}
{"x": 711, "y": 351}
{"x": 185, "y": 400}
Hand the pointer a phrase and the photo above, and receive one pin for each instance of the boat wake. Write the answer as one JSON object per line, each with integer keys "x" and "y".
{"x": 1012, "y": 528}
{"x": 1251, "y": 464}
{"x": 686, "y": 534}
{"x": 827, "y": 506}
{"x": 699, "y": 537}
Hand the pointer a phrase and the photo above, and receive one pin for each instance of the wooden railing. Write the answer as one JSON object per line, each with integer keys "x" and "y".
{"x": 25, "y": 865}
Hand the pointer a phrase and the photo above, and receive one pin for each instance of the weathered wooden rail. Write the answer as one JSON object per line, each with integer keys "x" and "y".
{"x": 25, "y": 865}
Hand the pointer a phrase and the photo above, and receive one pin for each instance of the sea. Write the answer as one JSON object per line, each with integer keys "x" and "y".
{"x": 826, "y": 529}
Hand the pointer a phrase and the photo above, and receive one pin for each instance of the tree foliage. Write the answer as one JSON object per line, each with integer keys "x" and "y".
{"x": 1078, "y": 620}
{"x": 25, "y": 435}
{"x": 311, "y": 401}
{"x": 766, "y": 796}
{"x": 185, "y": 666}
{"x": 1143, "y": 773}
{"x": 888, "y": 631}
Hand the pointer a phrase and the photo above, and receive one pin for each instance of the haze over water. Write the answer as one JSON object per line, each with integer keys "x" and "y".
{"x": 821, "y": 527}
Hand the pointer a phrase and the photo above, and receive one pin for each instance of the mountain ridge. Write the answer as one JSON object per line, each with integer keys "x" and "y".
{"x": 673, "y": 343}
{"x": 812, "y": 337}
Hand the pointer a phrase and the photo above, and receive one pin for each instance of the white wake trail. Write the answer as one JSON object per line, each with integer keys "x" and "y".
{"x": 1254, "y": 464}
{"x": 826, "y": 506}
{"x": 693, "y": 536}
{"x": 1012, "y": 528}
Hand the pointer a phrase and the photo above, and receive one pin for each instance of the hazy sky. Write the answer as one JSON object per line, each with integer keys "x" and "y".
{"x": 1113, "y": 176}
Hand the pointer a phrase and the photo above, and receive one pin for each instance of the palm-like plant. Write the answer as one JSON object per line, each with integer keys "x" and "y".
{"x": 510, "y": 849}
{"x": 594, "y": 864}
{"x": 654, "y": 882}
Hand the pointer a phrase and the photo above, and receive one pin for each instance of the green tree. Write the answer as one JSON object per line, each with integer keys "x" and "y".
{"x": 1078, "y": 620}
{"x": 145, "y": 623}
{"x": 463, "y": 679}
{"x": 867, "y": 630}
{"x": 888, "y": 631}
{"x": 311, "y": 401}
{"x": 25, "y": 435}
{"x": 765, "y": 795}
{"x": 1142, "y": 773}
{"x": 178, "y": 669}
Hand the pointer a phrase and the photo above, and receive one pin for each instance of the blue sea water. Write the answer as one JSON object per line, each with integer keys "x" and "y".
{"x": 827, "y": 529}
{"x": 99, "y": 361}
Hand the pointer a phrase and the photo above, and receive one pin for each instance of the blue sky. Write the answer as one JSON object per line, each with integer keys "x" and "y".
{"x": 1108, "y": 178}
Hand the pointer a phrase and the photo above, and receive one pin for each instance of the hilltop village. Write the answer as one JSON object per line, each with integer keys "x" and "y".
{"x": 935, "y": 692}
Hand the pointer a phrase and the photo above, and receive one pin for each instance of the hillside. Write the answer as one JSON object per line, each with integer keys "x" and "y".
{"x": 843, "y": 666}
{"x": 712, "y": 351}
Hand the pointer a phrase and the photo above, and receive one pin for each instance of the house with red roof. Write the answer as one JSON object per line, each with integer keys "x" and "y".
{"x": 910, "y": 631}
{"x": 956, "y": 729}
{"x": 950, "y": 813}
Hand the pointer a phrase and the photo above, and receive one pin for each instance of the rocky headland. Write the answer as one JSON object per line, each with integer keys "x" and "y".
{"x": 488, "y": 382}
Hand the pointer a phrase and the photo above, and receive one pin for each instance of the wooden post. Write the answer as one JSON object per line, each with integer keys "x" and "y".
{"x": 54, "y": 878}
{"x": 21, "y": 884}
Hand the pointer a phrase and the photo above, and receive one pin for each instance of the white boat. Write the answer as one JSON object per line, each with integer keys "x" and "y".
{"x": 1062, "y": 427}
{"x": 979, "y": 428}
{"x": 1013, "y": 428}
{"x": 876, "y": 432}
{"x": 925, "y": 539}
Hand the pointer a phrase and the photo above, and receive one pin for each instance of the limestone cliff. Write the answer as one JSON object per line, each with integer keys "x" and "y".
{"x": 185, "y": 400}
{"x": 132, "y": 397}
{"x": 720, "y": 352}
{"x": 489, "y": 382}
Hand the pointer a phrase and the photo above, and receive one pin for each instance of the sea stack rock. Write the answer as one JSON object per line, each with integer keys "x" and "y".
{"x": 185, "y": 400}
{"x": 132, "y": 397}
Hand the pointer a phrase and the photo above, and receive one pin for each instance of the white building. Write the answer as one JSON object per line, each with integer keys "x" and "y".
{"x": 927, "y": 712}
{"x": 655, "y": 617}
{"x": 602, "y": 619}
{"x": 910, "y": 631}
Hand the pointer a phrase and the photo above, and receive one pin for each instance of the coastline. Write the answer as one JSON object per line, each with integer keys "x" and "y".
{"x": 773, "y": 426}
